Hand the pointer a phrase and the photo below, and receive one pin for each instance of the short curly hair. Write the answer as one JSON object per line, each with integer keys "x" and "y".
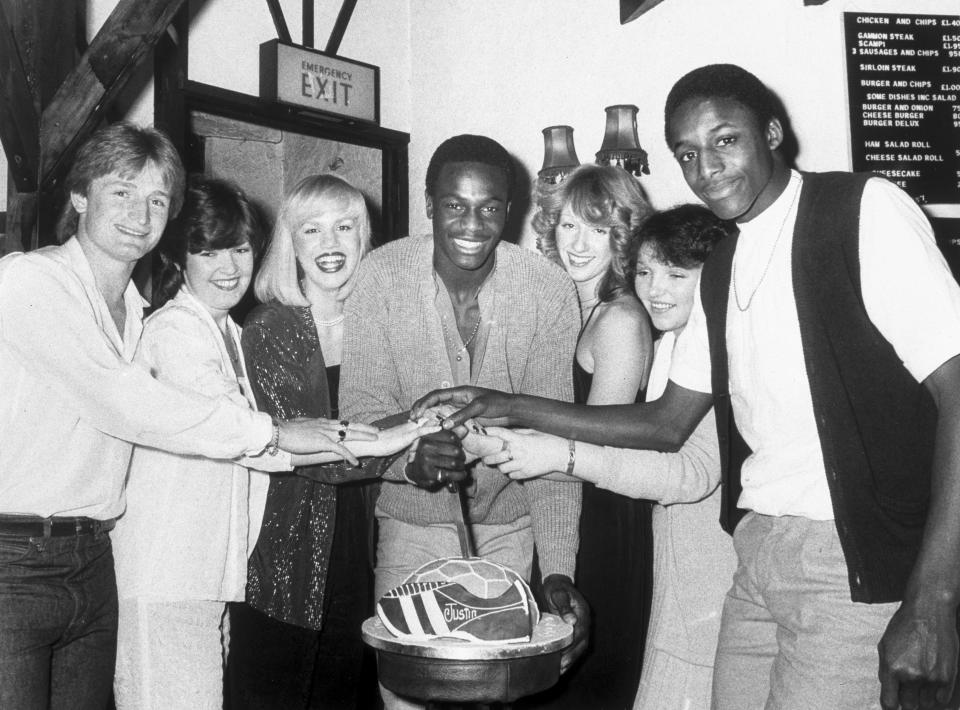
{"x": 467, "y": 148}
{"x": 682, "y": 236}
{"x": 605, "y": 196}
{"x": 722, "y": 81}
{"x": 216, "y": 214}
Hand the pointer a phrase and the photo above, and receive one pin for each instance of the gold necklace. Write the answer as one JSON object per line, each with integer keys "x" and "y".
{"x": 466, "y": 344}
{"x": 736, "y": 292}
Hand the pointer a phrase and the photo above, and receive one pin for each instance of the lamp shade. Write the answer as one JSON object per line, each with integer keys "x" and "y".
{"x": 620, "y": 146}
{"x": 559, "y": 155}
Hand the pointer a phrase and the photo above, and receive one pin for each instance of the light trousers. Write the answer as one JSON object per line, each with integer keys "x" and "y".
{"x": 790, "y": 637}
{"x": 169, "y": 655}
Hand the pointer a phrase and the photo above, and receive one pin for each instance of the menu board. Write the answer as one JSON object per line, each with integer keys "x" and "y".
{"x": 903, "y": 76}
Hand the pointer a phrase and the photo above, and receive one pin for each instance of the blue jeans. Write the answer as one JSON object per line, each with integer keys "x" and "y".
{"x": 58, "y": 622}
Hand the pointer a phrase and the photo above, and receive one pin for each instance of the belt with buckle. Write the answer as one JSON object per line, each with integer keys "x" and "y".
{"x": 26, "y": 526}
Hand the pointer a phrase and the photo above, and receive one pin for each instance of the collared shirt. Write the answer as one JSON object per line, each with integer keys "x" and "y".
{"x": 464, "y": 367}
{"x": 196, "y": 498}
{"x": 73, "y": 403}
{"x": 908, "y": 293}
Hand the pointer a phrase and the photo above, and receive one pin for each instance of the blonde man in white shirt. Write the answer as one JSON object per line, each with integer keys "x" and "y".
{"x": 73, "y": 405}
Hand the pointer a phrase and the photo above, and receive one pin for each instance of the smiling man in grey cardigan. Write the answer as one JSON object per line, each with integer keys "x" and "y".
{"x": 461, "y": 307}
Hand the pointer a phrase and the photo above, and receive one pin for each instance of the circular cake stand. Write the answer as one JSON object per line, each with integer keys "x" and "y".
{"x": 454, "y": 671}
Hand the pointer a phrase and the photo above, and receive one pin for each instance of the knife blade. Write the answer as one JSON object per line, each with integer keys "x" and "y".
{"x": 461, "y": 518}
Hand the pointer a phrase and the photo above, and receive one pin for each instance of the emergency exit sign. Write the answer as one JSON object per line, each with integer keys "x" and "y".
{"x": 320, "y": 81}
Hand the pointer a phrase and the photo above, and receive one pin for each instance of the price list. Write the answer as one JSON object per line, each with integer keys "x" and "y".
{"x": 903, "y": 76}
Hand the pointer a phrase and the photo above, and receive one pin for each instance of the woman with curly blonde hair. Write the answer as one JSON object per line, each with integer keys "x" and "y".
{"x": 587, "y": 225}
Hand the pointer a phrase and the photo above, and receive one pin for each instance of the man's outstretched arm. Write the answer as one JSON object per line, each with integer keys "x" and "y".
{"x": 662, "y": 425}
{"x": 918, "y": 651}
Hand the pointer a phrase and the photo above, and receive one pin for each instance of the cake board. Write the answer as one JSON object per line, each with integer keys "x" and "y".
{"x": 454, "y": 671}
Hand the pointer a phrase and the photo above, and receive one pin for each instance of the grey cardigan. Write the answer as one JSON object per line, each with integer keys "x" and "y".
{"x": 394, "y": 352}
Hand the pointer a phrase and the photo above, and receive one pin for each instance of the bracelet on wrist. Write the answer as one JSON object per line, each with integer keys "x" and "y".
{"x": 571, "y": 456}
{"x": 274, "y": 444}
{"x": 406, "y": 468}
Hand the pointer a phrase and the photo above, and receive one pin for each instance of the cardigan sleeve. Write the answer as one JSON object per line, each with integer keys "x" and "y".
{"x": 554, "y": 506}
{"x": 687, "y": 476}
{"x": 369, "y": 387}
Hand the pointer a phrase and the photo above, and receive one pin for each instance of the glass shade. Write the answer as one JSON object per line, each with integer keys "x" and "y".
{"x": 559, "y": 155}
{"x": 621, "y": 147}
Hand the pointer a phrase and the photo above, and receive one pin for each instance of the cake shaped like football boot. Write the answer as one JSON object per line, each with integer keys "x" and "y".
{"x": 441, "y": 609}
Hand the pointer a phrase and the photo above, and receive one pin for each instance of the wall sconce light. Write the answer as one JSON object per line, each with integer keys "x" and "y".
{"x": 621, "y": 147}
{"x": 559, "y": 155}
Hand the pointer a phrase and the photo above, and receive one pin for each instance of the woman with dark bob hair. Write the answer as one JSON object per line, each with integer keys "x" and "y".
{"x": 694, "y": 559}
{"x": 587, "y": 225}
{"x": 181, "y": 547}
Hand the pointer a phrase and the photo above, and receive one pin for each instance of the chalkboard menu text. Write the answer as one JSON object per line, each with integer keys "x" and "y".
{"x": 903, "y": 77}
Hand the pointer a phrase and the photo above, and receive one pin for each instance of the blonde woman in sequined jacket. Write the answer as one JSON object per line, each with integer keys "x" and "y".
{"x": 295, "y": 642}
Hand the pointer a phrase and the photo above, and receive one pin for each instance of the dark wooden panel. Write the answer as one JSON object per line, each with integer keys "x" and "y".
{"x": 41, "y": 44}
{"x": 19, "y": 118}
{"x": 124, "y": 41}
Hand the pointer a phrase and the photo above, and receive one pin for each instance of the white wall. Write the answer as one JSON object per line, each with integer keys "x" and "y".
{"x": 508, "y": 69}
{"x": 225, "y": 39}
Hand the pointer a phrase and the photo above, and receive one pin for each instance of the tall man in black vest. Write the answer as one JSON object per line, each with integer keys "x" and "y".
{"x": 827, "y": 341}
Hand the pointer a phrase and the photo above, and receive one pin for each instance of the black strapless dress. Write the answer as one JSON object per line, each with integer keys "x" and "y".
{"x": 614, "y": 574}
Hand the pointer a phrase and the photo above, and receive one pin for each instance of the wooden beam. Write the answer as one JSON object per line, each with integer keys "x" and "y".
{"x": 340, "y": 26}
{"x": 19, "y": 120}
{"x": 170, "y": 78}
{"x": 124, "y": 41}
{"x": 276, "y": 12}
{"x": 632, "y": 9}
{"x": 308, "y": 23}
{"x": 42, "y": 37}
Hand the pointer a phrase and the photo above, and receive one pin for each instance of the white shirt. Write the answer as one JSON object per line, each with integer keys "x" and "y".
{"x": 909, "y": 295}
{"x": 71, "y": 402}
{"x": 186, "y": 532}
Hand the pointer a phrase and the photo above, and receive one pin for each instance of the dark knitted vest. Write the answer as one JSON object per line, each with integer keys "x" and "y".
{"x": 875, "y": 421}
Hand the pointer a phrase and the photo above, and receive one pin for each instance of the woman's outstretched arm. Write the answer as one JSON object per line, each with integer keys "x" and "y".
{"x": 662, "y": 425}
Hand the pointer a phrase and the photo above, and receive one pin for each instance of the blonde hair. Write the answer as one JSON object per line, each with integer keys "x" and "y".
{"x": 124, "y": 148}
{"x": 604, "y": 196}
{"x": 279, "y": 275}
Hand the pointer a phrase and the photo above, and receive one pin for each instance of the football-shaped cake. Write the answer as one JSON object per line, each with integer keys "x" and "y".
{"x": 472, "y": 599}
